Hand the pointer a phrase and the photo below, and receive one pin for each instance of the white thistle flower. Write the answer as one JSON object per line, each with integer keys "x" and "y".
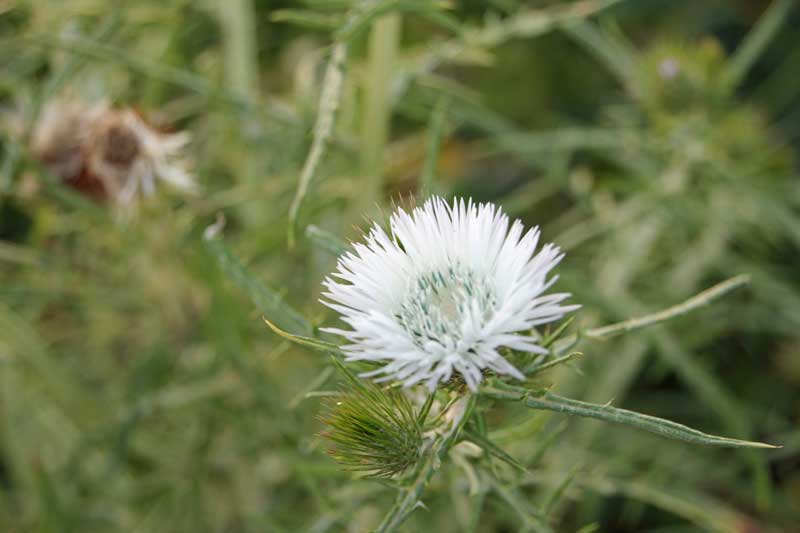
{"x": 443, "y": 292}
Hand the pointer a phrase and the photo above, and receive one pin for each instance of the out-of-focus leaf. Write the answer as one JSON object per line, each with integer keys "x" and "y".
{"x": 265, "y": 299}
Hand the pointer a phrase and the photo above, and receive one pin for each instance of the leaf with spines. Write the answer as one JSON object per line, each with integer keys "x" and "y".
{"x": 666, "y": 428}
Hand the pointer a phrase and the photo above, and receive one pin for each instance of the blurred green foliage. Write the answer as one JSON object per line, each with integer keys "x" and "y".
{"x": 655, "y": 141}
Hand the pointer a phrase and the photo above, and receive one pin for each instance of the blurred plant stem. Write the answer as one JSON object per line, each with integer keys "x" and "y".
{"x": 323, "y": 129}
{"x": 384, "y": 41}
{"x": 436, "y": 127}
{"x": 238, "y": 21}
{"x": 237, "y": 18}
{"x": 408, "y": 498}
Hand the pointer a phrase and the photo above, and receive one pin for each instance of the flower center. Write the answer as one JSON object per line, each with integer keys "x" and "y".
{"x": 443, "y": 306}
{"x": 120, "y": 146}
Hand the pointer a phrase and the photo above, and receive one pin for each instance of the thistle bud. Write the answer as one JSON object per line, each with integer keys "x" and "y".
{"x": 372, "y": 430}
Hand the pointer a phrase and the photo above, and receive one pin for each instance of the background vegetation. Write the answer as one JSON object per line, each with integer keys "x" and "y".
{"x": 655, "y": 141}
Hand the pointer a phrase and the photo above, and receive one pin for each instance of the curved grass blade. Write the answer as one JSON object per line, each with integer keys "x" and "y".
{"x": 698, "y": 300}
{"x": 540, "y": 367}
{"x": 364, "y": 17}
{"x": 323, "y": 129}
{"x": 756, "y": 42}
{"x": 302, "y": 340}
{"x": 265, "y": 299}
{"x": 493, "y": 449}
{"x": 325, "y": 240}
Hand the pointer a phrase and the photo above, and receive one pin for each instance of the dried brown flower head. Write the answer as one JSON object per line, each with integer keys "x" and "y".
{"x": 108, "y": 153}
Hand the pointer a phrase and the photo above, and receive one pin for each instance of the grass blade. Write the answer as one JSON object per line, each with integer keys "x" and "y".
{"x": 309, "y": 342}
{"x": 436, "y": 129}
{"x": 493, "y": 449}
{"x": 699, "y": 300}
{"x": 326, "y": 240}
{"x": 323, "y": 129}
{"x": 265, "y": 299}
{"x": 756, "y": 42}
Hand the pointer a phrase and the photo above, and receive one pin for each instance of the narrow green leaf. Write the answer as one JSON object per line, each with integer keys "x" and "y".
{"x": 756, "y": 42}
{"x": 307, "y": 18}
{"x": 659, "y": 426}
{"x": 185, "y": 79}
{"x": 550, "y": 338}
{"x": 426, "y": 408}
{"x": 558, "y": 492}
{"x": 532, "y": 369}
{"x": 361, "y": 19}
{"x": 532, "y": 519}
{"x": 265, "y": 299}
{"x": 302, "y": 340}
{"x": 493, "y": 449}
{"x": 699, "y": 300}
{"x": 544, "y": 443}
{"x": 332, "y": 84}
{"x": 606, "y": 48}
{"x": 436, "y": 128}
{"x": 326, "y": 240}
{"x": 566, "y": 139}
{"x": 314, "y": 384}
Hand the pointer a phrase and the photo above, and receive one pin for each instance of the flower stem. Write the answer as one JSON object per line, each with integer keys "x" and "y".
{"x": 384, "y": 40}
{"x": 323, "y": 129}
{"x": 699, "y": 300}
{"x": 408, "y": 498}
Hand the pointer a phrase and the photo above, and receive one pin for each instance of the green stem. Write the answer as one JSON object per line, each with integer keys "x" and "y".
{"x": 699, "y": 300}
{"x": 408, "y": 498}
{"x": 435, "y": 135}
{"x": 238, "y": 21}
{"x": 323, "y": 129}
{"x": 756, "y": 42}
{"x": 384, "y": 41}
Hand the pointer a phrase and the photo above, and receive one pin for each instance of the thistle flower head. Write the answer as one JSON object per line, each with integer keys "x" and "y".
{"x": 443, "y": 292}
{"x": 108, "y": 152}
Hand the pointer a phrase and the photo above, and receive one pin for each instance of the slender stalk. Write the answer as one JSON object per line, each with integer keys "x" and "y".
{"x": 756, "y": 42}
{"x": 435, "y": 135}
{"x": 408, "y": 498}
{"x": 699, "y": 300}
{"x": 384, "y": 41}
{"x": 238, "y": 21}
{"x": 539, "y": 367}
{"x": 266, "y": 299}
{"x": 323, "y": 129}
